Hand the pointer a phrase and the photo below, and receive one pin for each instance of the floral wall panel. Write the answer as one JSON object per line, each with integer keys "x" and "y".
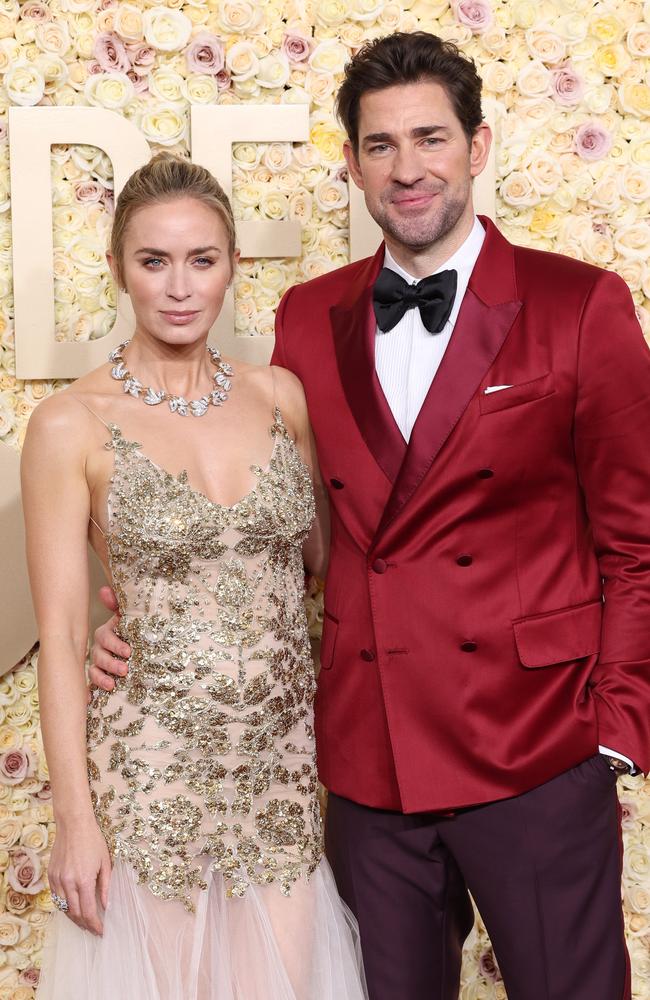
{"x": 571, "y": 82}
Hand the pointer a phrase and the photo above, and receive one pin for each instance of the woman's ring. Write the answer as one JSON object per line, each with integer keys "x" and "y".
{"x": 60, "y": 902}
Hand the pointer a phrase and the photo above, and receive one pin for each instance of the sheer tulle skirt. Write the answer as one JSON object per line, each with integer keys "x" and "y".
{"x": 264, "y": 946}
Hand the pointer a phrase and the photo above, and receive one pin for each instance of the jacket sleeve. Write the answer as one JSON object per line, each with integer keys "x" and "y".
{"x": 611, "y": 433}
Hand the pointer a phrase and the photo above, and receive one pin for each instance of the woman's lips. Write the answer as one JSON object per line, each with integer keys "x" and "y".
{"x": 180, "y": 318}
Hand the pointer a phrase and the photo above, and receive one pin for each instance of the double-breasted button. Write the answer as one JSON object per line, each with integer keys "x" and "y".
{"x": 380, "y": 566}
{"x": 367, "y": 655}
{"x": 336, "y": 484}
{"x": 485, "y": 473}
{"x": 464, "y": 560}
{"x": 468, "y": 647}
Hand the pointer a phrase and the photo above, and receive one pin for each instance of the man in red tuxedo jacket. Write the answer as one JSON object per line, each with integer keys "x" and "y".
{"x": 481, "y": 413}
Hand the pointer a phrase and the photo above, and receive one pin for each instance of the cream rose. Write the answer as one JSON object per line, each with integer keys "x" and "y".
{"x": 607, "y": 28}
{"x": 274, "y": 205}
{"x": 128, "y": 22}
{"x": 545, "y": 45}
{"x": 498, "y": 77}
{"x": 638, "y": 39}
{"x": 634, "y": 183}
{"x": 331, "y": 13}
{"x": 545, "y": 171}
{"x": 34, "y": 836}
{"x": 13, "y": 930}
{"x": 517, "y": 189}
{"x": 331, "y": 194}
{"x": 109, "y": 90}
{"x": 634, "y": 98}
{"x": 53, "y": 37}
{"x": 329, "y": 56}
{"x": 238, "y": 17}
{"x": 612, "y": 60}
{"x": 327, "y": 138}
{"x": 242, "y": 61}
{"x": 166, "y": 30}
{"x": 277, "y": 156}
{"x": 534, "y": 80}
{"x": 10, "y": 830}
{"x": 633, "y": 240}
{"x": 201, "y": 89}
{"x": 246, "y": 155}
{"x": 166, "y": 85}
{"x": 165, "y": 126}
{"x": 24, "y": 84}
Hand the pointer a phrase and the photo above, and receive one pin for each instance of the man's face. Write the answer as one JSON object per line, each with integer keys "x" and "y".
{"x": 414, "y": 163}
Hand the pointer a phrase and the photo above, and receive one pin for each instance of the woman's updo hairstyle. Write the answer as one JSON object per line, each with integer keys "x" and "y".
{"x": 165, "y": 178}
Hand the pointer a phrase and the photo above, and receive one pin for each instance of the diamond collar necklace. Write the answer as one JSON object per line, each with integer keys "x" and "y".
{"x": 177, "y": 404}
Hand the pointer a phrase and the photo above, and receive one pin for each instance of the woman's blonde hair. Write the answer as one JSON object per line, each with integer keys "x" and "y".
{"x": 165, "y": 178}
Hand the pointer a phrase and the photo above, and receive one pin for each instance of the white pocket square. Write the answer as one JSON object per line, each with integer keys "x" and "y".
{"x": 495, "y": 388}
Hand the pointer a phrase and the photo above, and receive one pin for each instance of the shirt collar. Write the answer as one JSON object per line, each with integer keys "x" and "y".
{"x": 462, "y": 260}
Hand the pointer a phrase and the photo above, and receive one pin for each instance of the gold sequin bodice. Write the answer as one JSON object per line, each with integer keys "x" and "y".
{"x": 207, "y": 746}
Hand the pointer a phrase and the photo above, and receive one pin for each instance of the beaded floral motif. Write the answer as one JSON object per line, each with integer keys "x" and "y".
{"x": 207, "y": 746}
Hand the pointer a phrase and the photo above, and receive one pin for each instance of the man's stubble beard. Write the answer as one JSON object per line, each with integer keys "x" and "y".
{"x": 416, "y": 234}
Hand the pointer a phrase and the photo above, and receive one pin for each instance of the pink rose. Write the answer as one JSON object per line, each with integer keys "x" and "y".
{"x": 142, "y": 57}
{"x": 566, "y": 86}
{"x": 593, "y": 141}
{"x": 140, "y": 83}
{"x": 88, "y": 192}
{"x": 488, "y": 966}
{"x": 476, "y": 14}
{"x": 35, "y": 11}
{"x": 29, "y": 977}
{"x": 223, "y": 79}
{"x": 296, "y": 48}
{"x": 25, "y": 873}
{"x": 15, "y": 766}
{"x": 93, "y": 67}
{"x": 205, "y": 54}
{"x": 17, "y": 902}
{"x": 106, "y": 4}
{"x": 110, "y": 53}
{"x": 108, "y": 201}
{"x": 44, "y": 794}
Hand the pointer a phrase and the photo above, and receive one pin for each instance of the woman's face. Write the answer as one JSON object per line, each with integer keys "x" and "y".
{"x": 176, "y": 268}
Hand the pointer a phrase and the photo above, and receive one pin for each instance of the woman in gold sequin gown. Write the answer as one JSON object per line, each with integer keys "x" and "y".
{"x": 189, "y": 843}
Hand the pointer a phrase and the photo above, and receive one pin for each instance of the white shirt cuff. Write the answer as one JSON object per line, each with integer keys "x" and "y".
{"x": 621, "y": 756}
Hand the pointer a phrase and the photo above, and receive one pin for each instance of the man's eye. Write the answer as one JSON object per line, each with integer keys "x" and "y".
{"x": 432, "y": 141}
{"x": 381, "y": 147}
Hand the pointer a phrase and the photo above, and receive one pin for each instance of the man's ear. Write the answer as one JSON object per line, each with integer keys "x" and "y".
{"x": 480, "y": 149}
{"x": 353, "y": 164}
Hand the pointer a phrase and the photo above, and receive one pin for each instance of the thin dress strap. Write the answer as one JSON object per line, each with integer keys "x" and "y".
{"x": 108, "y": 427}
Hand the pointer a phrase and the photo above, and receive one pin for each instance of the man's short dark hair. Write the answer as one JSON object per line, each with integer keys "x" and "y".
{"x": 408, "y": 57}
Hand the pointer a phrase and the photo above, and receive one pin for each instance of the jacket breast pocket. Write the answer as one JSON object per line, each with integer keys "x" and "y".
{"x": 561, "y": 636}
{"x": 328, "y": 641}
{"x": 517, "y": 395}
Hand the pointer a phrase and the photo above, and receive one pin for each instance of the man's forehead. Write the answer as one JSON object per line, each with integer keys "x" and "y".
{"x": 425, "y": 99}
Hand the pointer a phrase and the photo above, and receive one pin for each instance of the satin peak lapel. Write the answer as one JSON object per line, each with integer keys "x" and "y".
{"x": 353, "y": 328}
{"x": 487, "y": 314}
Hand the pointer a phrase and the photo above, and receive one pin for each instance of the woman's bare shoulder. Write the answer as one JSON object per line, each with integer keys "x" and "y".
{"x": 70, "y": 410}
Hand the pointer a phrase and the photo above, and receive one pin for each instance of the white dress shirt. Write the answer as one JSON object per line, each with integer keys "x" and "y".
{"x": 408, "y": 356}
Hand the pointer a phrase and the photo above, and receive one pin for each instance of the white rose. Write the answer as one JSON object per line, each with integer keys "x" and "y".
{"x": 238, "y": 17}
{"x": 534, "y": 112}
{"x": 545, "y": 45}
{"x": 598, "y": 98}
{"x": 87, "y": 255}
{"x": 277, "y": 156}
{"x": 9, "y": 53}
{"x": 497, "y": 76}
{"x": 517, "y": 189}
{"x": 534, "y": 80}
{"x": 24, "y": 84}
{"x": 571, "y": 27}
{"x": 329, "y": 56}
{"x": 605, "y": 193}
{"x": 315, "y": 264}
{"x": 638, "y": 39}
{"x": 545, "y": 172}
{"x": 54, "y": 70}
{"x": 633, "y": 240}
{"x": 274, "y": 205}
{"x": 166, "y": 29}
{"x": 53, "y": 37}
{"x": 300, "y": 207}
{"x": 246, "y": 156}
{"x": 287, "y": 181}
{"x": 331, "y": 13}
{"x": 632, "y": 272}
{"x": 242, "y": 61}
{"x": 199, "y": 88}
{"x": 164, "y": 126}
{"x": 365, "y": 10}
{"x": 273, "y": 71}
{"x": 247, "y": 195}
{"x": 331, "y": 194}
{"x": 634, "y": 182}
{"x": 166, "y": 85}
{"x": 108, "y": 90}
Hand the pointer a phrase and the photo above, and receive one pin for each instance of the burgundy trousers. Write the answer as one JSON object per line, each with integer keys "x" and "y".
{"x": 544, "y": 869}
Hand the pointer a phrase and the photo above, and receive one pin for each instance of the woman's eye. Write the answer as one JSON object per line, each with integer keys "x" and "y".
{"x": 152, "y": 262}
{"x": 204, "y": 261}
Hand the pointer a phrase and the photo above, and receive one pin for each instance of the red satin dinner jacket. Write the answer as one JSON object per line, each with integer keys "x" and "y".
{"x": 487, "y": 607}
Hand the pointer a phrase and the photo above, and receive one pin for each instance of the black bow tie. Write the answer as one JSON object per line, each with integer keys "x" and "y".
{"x": 433, "y": 296}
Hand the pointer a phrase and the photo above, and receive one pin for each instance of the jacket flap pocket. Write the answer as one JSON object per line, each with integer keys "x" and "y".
{"x": 515, "y": 395}
{"x": 328, "y": 641}
{"x": 559, "y": 636}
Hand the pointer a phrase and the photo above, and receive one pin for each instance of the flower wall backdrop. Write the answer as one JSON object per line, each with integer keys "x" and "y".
{"x": 571, "y": 79}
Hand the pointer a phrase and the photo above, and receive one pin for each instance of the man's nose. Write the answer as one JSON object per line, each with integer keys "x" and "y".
{"x": 408, "y": 167}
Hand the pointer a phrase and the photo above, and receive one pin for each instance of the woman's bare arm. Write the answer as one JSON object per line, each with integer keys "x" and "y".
{"x": 57, "y": 505}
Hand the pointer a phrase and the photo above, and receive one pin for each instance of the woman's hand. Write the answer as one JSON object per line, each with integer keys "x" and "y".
{"x": 80, "y": 871}
{"x": 108, "y": 653}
